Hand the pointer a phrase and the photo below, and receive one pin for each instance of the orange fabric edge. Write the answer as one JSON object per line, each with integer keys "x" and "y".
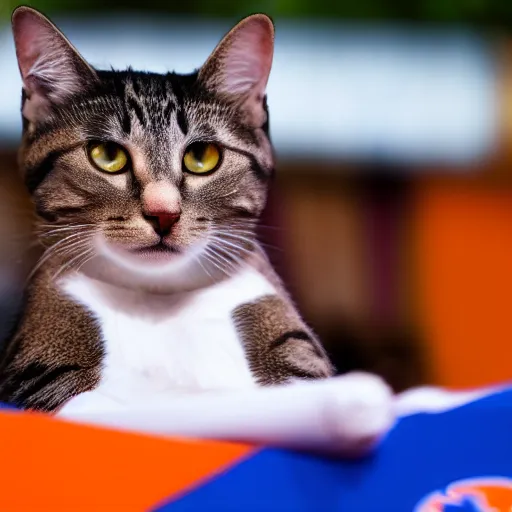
{"x": 54, "y": 465}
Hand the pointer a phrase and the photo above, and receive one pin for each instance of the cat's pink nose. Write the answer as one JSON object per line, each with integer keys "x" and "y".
{"x": 163, "y": 222}
{"x": 161, "y": 206}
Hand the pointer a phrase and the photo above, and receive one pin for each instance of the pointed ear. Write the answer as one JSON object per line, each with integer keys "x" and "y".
{"x": 51, "y": 69}
{"x": 240, "y": 65}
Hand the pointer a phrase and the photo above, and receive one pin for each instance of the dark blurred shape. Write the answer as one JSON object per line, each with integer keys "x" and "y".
{"x": 18, "y": 252}
{"x": 396, "y": 356}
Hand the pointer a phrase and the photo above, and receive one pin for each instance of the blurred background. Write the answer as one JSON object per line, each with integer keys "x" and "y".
{"x": 390, "y": 219}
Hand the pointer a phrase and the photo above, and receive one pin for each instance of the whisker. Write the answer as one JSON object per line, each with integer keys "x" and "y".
{"x": 43, "y": 231}
{"x": 70, "y": 262}
{"x": 234, "y": 260}
{"x": 255, "y": 242}
{"x": 253, "y": 224}
{"x": 66, "y": 238}
{"x": 234, "y": 191}
{"x": 222, "y": 263}
{"x": 64, "y": 241}
{"x": 209, "y": 259}
{"x": 273, "y": 228}
{"x": 227, "y": 261}
{"x": 236, "y": 230}
{"x": 220, "y": 256}
{"x": 86, "y": 260}
{"x": 62, "y": 247}
{"x": 198, "y": 258}
{"x": 236, "y": 235}
{"x": 66, "y": 225}
{"x": 235, "y": 246}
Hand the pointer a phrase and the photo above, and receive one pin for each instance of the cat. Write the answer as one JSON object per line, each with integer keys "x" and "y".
{"x": 148, "y": 189}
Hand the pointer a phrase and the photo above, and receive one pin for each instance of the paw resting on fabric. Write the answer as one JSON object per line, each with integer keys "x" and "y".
{"x": 345, "y": 415}
{"x": 362, "y": 409}
{"x": 359, "y": 412}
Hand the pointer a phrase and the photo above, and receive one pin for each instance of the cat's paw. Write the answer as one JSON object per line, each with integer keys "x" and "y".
{"x": 360, "y": 412}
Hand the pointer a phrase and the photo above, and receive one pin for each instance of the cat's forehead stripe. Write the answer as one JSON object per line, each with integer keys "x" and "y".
{"x": 155, "y": 101}
{"x": 156, "y": 114}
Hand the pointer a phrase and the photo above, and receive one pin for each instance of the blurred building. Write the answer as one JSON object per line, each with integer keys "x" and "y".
{"x": 392, "y": 204}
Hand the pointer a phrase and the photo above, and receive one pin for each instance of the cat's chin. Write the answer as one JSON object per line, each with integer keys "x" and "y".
{"x": 154, "y": 269}
{"x": 147, "y": 259}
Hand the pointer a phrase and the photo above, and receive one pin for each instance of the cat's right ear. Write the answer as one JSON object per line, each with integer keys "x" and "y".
{"x": 51, "y": 69}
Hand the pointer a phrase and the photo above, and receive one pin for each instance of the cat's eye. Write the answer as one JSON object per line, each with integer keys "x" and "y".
{"x": 201, "y": 158}
{"x": 108, "y": 156}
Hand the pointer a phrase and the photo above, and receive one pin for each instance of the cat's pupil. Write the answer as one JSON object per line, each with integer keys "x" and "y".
{"x": 198, "y": 150}
{"x": 111, "y": 151}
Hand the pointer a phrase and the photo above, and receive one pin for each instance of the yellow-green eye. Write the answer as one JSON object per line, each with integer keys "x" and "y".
{"x": 201, "y": 158}
{"x": 108, "y": 156}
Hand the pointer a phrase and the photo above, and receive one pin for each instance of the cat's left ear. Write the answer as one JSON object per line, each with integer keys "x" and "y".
{"x": 239, "y": 67}
{"x": 51, "y": 68}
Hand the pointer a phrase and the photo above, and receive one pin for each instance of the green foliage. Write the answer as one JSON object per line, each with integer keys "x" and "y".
{"x": 497, "y": 13}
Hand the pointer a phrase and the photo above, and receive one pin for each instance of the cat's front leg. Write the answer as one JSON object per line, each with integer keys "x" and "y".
{"x": 281, "y": 349}
{"x": 54, "y": 354}
{"x": 279, "y": 346}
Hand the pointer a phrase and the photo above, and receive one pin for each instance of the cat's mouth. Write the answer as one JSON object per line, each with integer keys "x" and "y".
{"x": 159, "y": 252}
{"x": 159, "y": 247}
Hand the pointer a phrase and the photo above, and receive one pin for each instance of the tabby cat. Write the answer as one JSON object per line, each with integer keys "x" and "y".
{"x": 148, "y": 189}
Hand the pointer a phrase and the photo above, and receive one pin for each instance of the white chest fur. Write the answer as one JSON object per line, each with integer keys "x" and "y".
{"x": 170, "y": 343}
